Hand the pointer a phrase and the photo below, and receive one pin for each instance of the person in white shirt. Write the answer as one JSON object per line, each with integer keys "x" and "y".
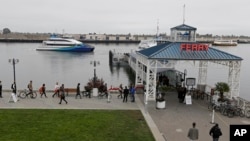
{"x": 57, "y": 87}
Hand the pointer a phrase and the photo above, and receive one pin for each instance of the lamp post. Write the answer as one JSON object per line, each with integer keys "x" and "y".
{"x": 95, "y": 63}
{"x": 185, "y": 73}
{"x": 14, "y": 62}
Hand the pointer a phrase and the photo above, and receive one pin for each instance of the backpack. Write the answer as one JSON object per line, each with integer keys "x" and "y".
{"x": 217, "y": 132}
{"x": 40, "y": 90}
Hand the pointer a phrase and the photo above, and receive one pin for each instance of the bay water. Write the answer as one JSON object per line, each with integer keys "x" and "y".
{"x": 68, "y": 68}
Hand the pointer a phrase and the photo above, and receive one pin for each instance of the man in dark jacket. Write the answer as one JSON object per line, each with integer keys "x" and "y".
{"x": 62, "y": 94}
{"x": 125, "y": 92}
{"x": 1, "y": 89}
{"x": 13, "y": 87}
{"x": 78, "y": 91}
{"x": 215, "y": 132}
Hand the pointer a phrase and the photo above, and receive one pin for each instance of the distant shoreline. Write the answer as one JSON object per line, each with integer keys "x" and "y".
{"x": 84, "y": 41}
{"x": 11, "y": 40}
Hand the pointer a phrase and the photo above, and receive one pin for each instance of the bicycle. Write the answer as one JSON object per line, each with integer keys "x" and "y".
{"x": 232, "y": 110}
{"x": 214, "y": 105}
{"x": 239, "y": 112}
{"x": 104, "y": 95}
{"x": 25, "y": 93}
{"x": 120, "y": 95}
{"x": 86, "y": 94}
{"x": 247, "y": 112}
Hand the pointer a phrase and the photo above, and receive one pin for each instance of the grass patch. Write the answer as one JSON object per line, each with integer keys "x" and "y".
{"x": 73, "y": 125}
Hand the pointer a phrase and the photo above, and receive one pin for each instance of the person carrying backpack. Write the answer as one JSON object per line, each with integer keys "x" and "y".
{"x": 30, "y": 88}
{"x": 42, "y": 90}
{"x": 215, "y": 132}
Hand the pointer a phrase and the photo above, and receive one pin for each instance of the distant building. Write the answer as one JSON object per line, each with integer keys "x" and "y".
{"x": 117, "y": 37}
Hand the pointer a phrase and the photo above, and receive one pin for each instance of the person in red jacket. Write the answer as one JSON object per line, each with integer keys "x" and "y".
{"x": 42, "y": 91}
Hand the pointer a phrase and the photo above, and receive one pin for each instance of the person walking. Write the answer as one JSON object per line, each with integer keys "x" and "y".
{"x": 215, "y": 132}
{"x": 78, "y": 93}
{"x": 13, "y": 87}
{"x": 125, "y": 94}
{"x": 42, "y": 91}
{"x": 193, "y": 133}
{"x": 56, "y": 90}
{"x": 1, "y": 89}
{"x": 62, "y": 94}
{"x": 30, "y": 88}
{"x": 120, "y": 91}
{"x": 132, "y": 92}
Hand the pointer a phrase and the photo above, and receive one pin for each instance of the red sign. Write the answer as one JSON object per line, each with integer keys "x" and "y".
{"x": 194, "y": 47}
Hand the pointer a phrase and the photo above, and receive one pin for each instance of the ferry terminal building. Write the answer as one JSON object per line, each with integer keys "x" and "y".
{"x": 183, "y": 47}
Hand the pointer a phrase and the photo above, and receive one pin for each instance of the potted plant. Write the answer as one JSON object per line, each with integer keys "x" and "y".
{"x": 160, "y": 101}
{"x": 222, "y": 87}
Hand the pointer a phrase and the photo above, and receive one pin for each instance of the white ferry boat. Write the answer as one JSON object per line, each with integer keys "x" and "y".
{"x": 225, "y": 43}
{"x": 64, "y": 45}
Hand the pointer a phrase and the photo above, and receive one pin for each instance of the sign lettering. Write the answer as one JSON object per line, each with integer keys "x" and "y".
{"x": 239, "y": 132}
{"x": 194, "y": 47}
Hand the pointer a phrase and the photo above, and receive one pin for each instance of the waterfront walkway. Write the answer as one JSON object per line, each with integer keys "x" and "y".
{"x": 169, "y": 124}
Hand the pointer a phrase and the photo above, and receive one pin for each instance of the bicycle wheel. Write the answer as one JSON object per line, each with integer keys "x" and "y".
{"x": 222, "y": 109}
{"x": 216, "y": 108}
{"x": 230, "y": 113}
{"x": 242, "y": 113}
{"x": 110, "y": 96}
{"x": 237, "y": 112}
{"x": 210, "y": 106}
{"x": 33, "y": 96}
{"x": 100, "y": 96}
{"x": 22, "y": 95}
{"x": 119, "y": 96}
{"x": 247, "y": 114}
{"x": 225, "y": 112}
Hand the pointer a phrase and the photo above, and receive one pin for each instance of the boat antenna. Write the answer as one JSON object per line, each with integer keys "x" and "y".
{"x": 184, "y": 14}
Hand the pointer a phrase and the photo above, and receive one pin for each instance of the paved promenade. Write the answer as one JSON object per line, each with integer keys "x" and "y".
{"x": 175, "y": 121}
{"x": 169, "y": 124}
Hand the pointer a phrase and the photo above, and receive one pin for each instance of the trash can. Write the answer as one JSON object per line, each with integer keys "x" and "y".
{"x": 160, "y": 101}
{"x": 95, "y": 92}
{"x": 160, "y": 104}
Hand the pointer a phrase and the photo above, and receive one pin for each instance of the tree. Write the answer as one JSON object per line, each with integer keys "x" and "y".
{"x": 6, "y": 31}
{"x": 222, "y": 87}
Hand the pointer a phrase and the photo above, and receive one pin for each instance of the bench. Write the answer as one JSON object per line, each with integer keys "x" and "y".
{"x": 70, "y": 90}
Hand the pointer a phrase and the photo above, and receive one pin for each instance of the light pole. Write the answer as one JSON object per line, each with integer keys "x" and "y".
{"x": 14, "y": 62}
{"x": 95, "y": 63}
{"x": 185, "y": 73}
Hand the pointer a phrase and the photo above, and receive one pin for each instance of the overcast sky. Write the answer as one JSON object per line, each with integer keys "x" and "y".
{"x": 217, "y": 17}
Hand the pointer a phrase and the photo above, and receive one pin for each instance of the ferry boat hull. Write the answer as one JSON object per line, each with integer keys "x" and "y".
{"x": 66, "y": 49}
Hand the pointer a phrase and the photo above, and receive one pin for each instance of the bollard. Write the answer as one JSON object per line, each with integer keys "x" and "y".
{"x": 108, "y": 98}
{"x": 212, "y": 122}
